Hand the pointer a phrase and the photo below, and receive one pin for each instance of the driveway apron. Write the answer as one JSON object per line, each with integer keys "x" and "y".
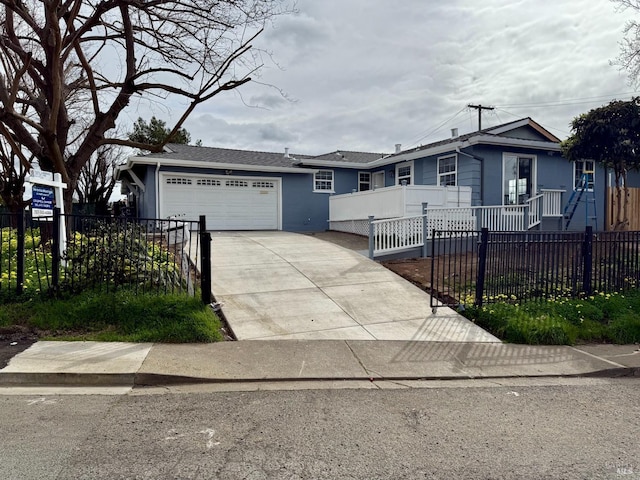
{"x": 281, "y": 285}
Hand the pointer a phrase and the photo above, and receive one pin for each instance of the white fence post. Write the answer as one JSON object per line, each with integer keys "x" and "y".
{"x": 424, "y": 229}
{"x": 371, "y": 236}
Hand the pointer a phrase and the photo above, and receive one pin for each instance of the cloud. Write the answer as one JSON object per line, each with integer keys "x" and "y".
{"x": 367, "y": 74}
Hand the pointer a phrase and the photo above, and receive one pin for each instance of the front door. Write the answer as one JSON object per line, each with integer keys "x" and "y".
{"x": 518, "y": 175}
{"x": 378, "y": 180}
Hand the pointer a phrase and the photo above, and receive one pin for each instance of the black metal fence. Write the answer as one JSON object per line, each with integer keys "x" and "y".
{"x": 103, "y": 253}
{"x": 486, "y": 267}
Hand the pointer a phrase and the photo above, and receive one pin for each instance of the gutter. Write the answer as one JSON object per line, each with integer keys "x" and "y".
{"x": 481, "y": 160}
{"x": 479, "y": 139}
{"x": 167, "y": 162}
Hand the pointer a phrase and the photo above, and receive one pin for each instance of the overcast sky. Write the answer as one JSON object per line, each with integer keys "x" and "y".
{"x": 367, "y": 74}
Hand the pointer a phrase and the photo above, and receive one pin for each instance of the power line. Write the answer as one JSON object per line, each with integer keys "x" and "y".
{"x": 566, "y": 102}
{"x": 435, "y": 129}
{"x": 480, "y": 108}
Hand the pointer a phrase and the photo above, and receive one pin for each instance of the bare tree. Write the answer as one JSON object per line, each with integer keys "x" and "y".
{"x": 96, "y": 182}
{"x": 629, "y": 58}
{"x": 70, "y": 68}
{"x": 13, "y": 171}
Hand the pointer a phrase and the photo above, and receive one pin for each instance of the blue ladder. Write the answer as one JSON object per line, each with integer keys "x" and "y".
{"x": 582, "y": 189}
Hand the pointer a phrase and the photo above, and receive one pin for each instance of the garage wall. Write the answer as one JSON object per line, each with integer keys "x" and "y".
{"x": 147, "y": 200}
{"x": 302, "y": 210}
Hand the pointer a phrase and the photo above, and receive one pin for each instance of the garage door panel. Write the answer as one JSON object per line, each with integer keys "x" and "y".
{"x": 228, "y": 203}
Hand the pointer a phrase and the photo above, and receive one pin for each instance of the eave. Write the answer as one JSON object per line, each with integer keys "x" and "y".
{"x": 172, "y": 162}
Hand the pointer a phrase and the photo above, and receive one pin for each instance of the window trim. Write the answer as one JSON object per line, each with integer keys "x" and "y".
{"x": 575, "y": 177}
{"x": 411, "y": 174}
{"x": 361, "y": 182}
{"x": 454, "y": 172}
{"x": 331, "y": 182}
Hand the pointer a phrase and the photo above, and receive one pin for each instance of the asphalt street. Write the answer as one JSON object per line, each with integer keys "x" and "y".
{"x": 560, "y": 429}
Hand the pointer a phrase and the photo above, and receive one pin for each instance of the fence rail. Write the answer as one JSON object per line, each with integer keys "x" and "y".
{"x": 477, "y": 267}
{"x": 104, "y": 253}
{"x": 396, "y": 234}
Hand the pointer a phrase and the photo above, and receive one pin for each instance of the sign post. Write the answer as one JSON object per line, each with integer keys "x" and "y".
{"x": 47, "y": 193}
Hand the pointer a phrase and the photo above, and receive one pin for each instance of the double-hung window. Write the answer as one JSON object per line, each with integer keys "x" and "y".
{"x": 448, "y": 171}
{"x": 583, "y": 167}
{"x": 364, "y": 181}
{"x": 404, "y": 173}
{"x": 323, "y": 181}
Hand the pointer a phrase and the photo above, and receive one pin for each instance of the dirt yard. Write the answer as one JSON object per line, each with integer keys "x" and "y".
{"x": 416, "y": 270}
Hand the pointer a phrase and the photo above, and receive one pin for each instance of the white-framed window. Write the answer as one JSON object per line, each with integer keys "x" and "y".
{"x": 323, "y": 181}
{"x": 364, "y": 181}
{"x": 518, "y": 178}
{"x": 448, "y": 171}
{"x": 404, "y": 173}
{"x": 584, "y": 167}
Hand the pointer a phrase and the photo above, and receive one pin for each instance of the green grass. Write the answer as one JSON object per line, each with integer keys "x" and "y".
{"x": 117, "y": 316}
{"x": 601, "y": 317}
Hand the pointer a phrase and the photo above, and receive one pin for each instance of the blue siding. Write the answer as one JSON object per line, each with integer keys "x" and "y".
{"x": 479, "y": 167}
{"x": 482, "y": 171}
{"x": 302, "y": 209}
{"x": 469, "y": 173}
{"x": 147, "y": 200}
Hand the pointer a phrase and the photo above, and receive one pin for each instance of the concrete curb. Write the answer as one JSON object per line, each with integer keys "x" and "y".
{"x": 13, "y": 379}
{"x": 157, "y": 379}
{"x": 153, "y": 379}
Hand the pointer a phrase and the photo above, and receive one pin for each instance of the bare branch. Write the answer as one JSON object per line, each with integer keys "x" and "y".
{"x": 69, "y": 69}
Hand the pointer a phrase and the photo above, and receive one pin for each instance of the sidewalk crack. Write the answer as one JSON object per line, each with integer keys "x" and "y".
{"x": 366, "y": 370}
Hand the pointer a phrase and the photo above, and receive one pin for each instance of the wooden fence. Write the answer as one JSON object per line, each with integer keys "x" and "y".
{"x": 633, "y": 209}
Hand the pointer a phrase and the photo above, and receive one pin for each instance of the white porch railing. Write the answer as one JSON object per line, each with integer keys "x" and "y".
{"x": 397, "y": 234}
{"x": 552, "y": 202}
{"x": 396, "y": 201}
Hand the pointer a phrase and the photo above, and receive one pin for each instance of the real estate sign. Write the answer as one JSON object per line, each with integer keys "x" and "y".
{"x": 45, "y": 194}
{"x": 42, "y": 201}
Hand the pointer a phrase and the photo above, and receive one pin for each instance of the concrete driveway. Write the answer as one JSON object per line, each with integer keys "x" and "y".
{"x": 280, "y": 285}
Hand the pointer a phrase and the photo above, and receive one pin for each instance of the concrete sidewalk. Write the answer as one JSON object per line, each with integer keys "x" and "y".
{"x": 127, "y": 364}
{"x": 280, "y": 285}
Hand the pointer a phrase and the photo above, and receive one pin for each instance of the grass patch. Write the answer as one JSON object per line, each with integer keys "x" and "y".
{"x": 117, "y": 316}
{"x": 601, "y": 317}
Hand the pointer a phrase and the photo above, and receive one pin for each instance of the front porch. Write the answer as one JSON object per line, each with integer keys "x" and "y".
{"x": 350, "y": 212}
{"x": 402, "y": 218}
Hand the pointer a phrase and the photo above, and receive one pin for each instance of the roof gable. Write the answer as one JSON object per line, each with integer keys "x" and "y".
{"x": 524, "y": 132}
{"x": 526, "y": 129}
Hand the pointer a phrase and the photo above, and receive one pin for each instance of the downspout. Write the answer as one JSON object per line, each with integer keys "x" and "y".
{"x": 481, "y": 160}
{"x": 157, "y": 190}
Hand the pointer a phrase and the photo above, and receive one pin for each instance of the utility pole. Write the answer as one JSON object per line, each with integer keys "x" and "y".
{"x": 480, "y": 108}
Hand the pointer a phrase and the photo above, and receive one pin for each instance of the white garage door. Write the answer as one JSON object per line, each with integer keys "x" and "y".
{"x": 229, "y": 203}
